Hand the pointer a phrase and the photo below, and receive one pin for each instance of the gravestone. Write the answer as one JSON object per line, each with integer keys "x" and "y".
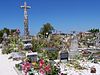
{"x": 74, "y": 47}
{"x": 63, "y": 56}
{"x": 98, "y": 40}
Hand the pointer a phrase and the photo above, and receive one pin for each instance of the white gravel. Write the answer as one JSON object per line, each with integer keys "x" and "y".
{"x": 72, "y": 71}
{"x": 6, "y": 66}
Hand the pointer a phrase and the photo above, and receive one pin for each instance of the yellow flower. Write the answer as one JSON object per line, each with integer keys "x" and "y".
{"x": 34, "y": 63}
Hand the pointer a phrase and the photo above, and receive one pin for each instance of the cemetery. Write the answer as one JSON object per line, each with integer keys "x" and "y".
{"x": 50, "y": 54}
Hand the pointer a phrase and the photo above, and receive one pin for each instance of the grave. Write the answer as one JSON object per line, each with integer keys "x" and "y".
{"x": 74, "y": 47}
{"x": 64, "y": 55}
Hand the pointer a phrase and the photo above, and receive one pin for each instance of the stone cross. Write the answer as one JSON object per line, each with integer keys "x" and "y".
{"x": 25, "y": 7}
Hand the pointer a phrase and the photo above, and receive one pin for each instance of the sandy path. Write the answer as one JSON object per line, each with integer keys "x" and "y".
{"x": 6, "y": 66}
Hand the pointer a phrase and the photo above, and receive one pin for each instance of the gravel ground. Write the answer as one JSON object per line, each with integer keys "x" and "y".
{"x": 6, "y": 66}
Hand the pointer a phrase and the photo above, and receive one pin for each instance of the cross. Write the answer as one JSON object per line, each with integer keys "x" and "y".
{"x": 25, "y": 7}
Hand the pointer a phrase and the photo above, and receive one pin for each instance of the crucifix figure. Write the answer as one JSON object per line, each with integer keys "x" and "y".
{"x": 25, "y": 7}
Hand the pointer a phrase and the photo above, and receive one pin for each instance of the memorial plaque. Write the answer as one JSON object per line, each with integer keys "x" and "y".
{"x": 64, "y": 56}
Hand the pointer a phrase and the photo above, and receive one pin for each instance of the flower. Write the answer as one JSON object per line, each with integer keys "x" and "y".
{"x": 47, "y": 68}
{"x": 41, "y": 62}
{"x": 42, "y": 72}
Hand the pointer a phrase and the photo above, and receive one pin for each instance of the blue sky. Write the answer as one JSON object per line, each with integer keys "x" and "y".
{"x": 64, "y": 15}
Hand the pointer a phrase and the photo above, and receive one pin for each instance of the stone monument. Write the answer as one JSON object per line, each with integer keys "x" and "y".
{"x": 26, "y": 31}
{"x": 98, "y": 40}
{"x": 74, "y": 47}
{"x": 27, "y": 39}
{"x": 63, "y": 53}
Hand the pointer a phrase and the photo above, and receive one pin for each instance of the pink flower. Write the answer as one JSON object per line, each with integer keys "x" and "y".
{"x": 42, "y": 72}
{"x": 41, "y": 62}
{"x": 47, "y": 68}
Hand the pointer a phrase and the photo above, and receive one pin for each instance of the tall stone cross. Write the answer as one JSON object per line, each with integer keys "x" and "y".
{"x": 25, "y": 7}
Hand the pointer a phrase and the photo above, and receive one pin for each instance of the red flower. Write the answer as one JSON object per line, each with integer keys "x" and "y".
{"x": 23, "y": 67}
{"x": 26, "y": 66}
{"x": 42, "y": 71}
{"x": 47, "y": 68}
{"x": 41, "y": 62}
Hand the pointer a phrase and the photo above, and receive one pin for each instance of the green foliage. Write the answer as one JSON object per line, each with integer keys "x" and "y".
{"x": 1, "y": 39}
{"x": 38, "y": 44}
{"x": 6, "y": 30}
{"x": 54, "y": 70}
{"x": 78, "y": 57}
{"x": 90, "y": 57}
{"x": 52, "y": 55}
{"x": 13, "y": 44}
{"x": 35, "y": 45}
{"x": 93, "y": 30}
{"x": 7, "y": 51}
{"x": 12, "y": 31}
{"x": 47, "y": 28}
{"x": 1, "y": 33}
{"x": 77, "y": 66}
{"x": 18, "y": 66}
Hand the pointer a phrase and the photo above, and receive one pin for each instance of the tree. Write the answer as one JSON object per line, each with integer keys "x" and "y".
{"x": 12, "y": 31}
{"x": 6, "y": 30}
{"x": 1, "y": 33}
{"x": 93, "y": 30}
{"x": 46, "y": 29}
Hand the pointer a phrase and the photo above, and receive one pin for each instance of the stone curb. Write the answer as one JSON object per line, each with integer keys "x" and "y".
{"x": 18, "y": 72}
